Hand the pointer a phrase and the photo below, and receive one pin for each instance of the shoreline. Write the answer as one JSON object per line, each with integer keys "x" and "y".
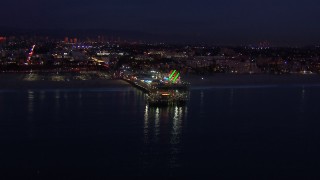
{"x": 23, "y": 81}
{"x": 95, "y": 84}
{"x": 18, "y": 82}
{"x": 251, "y": 80}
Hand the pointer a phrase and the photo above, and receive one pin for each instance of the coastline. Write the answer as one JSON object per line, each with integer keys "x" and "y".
{"x": 17, "y": 81}
{"x": 98, "y": 84}
{"x": 252, "y": 80}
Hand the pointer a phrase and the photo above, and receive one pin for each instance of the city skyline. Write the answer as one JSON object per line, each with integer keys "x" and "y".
{"x": 218, "y": 22}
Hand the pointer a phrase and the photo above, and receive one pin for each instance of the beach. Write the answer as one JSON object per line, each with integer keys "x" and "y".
{"x": 251, "y": 80}
{"x": 18, "y": 81}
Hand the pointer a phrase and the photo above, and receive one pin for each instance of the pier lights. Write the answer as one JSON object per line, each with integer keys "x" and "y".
{"x": 173, "y": 76}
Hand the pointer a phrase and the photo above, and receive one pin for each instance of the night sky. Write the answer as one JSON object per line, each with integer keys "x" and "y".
{"x": 220, "y": 21}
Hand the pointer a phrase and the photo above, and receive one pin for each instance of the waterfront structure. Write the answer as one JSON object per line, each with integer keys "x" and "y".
{"x": 162, "y": 89}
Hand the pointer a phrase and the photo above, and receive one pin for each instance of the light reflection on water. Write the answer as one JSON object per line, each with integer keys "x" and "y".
{"x": 176, "y": 128}
{"x": 303, "y": 99}
{"x": 157, "y": 123}
{"x": 201, "y": 102}
{"x": 101, "y": 125}
{"x": 146, "y": 122}
{"x": 31, "y": 110}
{"x": 30, "y": 102}
{"x": 163, "y": 125}
{"x": 156, "y": 118}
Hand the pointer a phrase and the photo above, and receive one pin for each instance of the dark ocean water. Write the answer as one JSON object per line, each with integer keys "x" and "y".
{"x": 250, "y": 132}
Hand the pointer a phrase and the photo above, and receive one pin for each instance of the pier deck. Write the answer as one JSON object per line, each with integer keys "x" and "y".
{"x": 163, "y": 94}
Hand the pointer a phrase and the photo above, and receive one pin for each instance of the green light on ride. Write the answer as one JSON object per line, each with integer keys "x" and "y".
{"x": 175, "y": 79}
{"x": 172, "y": 74}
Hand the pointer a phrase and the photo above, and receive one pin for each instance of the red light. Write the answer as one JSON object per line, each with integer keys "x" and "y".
{"x": 2, "y": 39}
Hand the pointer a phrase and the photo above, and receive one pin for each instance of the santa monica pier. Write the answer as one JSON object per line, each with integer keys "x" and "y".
{"x": 161, "y": 88}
